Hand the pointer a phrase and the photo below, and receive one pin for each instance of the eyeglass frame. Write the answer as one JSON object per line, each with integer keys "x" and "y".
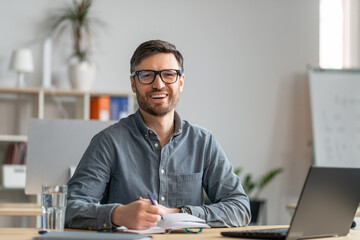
{"x": 136, "y": 73}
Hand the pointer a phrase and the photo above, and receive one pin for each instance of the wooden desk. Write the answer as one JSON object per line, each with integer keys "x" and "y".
{"x": 214, "y": 233}
{"x": 20, "y": 209}
{"x": 293, "y": 206}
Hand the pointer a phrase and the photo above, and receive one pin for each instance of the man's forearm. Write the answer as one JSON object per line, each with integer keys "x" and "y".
{"x": 224, "y": 214}
{"x": 89, "y": 215}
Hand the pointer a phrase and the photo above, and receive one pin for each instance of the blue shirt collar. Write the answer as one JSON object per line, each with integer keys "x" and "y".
{"x": 145, "y": 130}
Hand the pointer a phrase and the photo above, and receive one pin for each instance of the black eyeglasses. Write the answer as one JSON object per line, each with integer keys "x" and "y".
{"x": 148, "y": 76}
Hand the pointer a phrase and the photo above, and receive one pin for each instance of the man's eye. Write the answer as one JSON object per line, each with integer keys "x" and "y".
{"x": 146, "y": 75}
{"x": 169, "y": 74}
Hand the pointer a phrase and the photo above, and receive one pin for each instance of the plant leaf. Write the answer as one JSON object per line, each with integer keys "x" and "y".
{"x": 266, "y": 179}
{"x": 76, "y": 17}
{"x": 237, "y": 171}
{"x": 248, "y": 184}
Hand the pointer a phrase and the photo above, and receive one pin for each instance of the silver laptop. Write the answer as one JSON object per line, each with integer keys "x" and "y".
{"x": 326, "y": 207}
{"x": 55, "y": 146}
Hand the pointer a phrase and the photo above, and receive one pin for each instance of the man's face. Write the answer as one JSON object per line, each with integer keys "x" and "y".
{"x": 157, "y": 98}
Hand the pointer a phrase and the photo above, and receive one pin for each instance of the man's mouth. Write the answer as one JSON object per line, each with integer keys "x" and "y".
{"x": 158, "y": 96}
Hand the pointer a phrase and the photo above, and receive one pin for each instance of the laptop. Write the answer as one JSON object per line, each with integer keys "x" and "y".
{"x": 326, "y": 207}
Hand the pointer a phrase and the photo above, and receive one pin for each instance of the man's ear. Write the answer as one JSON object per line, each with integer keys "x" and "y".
{"x": 133, "y": 87}
{"x": 182, "y": 82}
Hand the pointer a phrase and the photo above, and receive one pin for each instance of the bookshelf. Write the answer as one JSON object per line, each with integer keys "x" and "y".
{"x": 42, "y": 97}
{"x": 18, "y": 105}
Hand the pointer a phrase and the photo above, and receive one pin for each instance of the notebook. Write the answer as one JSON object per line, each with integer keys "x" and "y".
{"x": 326, "y": 207}
{"x": 171, "y": 222}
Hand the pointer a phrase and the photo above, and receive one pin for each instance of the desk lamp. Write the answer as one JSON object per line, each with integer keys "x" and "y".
{"x": 22, "y": 62}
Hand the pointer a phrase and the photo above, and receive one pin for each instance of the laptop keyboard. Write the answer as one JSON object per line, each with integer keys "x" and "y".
{"x": 275, "y": 233}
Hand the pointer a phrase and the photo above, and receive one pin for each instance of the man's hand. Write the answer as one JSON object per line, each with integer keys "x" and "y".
{"x": 166, "y": 210}
{"x": 169, "y": 210}
{"x": 139, "y": 215}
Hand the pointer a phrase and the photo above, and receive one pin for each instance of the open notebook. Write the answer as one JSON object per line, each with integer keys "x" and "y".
{"x": 326, "y": 207}
{"x": 172, "y": 222}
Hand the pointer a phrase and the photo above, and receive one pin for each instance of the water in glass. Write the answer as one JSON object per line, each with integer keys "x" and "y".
{"x": 54, "y": 207}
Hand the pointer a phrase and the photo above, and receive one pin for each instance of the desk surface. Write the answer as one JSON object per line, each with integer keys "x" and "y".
{"x": 214, "y": 233}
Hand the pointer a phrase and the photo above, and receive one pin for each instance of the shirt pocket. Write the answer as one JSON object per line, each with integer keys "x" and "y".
{"x": 189, "y": 189}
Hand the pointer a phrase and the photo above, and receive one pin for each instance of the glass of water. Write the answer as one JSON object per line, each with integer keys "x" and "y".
{"x": 53, "y": 201}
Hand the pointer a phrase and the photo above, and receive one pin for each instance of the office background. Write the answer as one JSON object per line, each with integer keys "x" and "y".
{"x": 245, "y": 66}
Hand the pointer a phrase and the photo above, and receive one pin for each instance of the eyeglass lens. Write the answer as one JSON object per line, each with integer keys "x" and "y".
{"x": 168, "y": 76}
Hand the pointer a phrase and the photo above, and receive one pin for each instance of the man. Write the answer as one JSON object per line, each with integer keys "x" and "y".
{"x": 154, "y": 152}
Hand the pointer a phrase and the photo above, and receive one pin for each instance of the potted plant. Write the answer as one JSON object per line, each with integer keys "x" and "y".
{"x": 253, "y": 188}
{"x": 76, "y": 17}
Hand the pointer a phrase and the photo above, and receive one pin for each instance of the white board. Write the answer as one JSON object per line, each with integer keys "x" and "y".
{"x": 335, "y": 108}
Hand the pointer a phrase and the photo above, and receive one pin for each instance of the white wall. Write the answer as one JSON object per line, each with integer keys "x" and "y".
{"x": 245, "y": 66}
{"x": 352, "y": 34}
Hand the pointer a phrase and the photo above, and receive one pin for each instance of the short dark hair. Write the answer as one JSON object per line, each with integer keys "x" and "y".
{"x": 152, "y": 47}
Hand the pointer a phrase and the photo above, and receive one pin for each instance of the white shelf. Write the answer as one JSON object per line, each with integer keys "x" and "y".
{"x": 62, "y": 92}
{"x": 83, "y": 98}
{"x": 82, "y": 103}
{"x": 13, "y": 138}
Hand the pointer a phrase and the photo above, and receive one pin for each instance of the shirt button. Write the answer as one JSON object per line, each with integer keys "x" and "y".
{"x": 162, "y": 199}
{"x": 162, "y": 171}
{"x": 156, "y": 144}
{"x": 105, "y": 225}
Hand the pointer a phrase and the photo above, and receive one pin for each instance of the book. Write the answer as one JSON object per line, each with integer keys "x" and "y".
{"x": 21, "y": 158}
{"x": 171, "y": 222}
{"x": 100, "y": 108}
{"x": 119, "y": 108}
{"x": 16, "y": 153}
{"x": 10, "y": 153}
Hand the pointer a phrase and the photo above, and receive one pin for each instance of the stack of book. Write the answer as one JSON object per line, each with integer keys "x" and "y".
{"x": 107, "y": 108}
{"x": 16, "y": 153}
{"x": 14, "y": 168}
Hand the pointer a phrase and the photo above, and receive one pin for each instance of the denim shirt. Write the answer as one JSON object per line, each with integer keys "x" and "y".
{"x": 126, "y": 161}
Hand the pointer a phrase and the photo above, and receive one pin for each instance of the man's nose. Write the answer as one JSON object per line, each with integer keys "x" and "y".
{"x": 158, "y": 82}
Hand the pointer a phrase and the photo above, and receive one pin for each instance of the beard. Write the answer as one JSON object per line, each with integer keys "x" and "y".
{"x": 159, "y": 109}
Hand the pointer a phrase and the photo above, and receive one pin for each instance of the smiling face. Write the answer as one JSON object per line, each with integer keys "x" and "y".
{"x": 157, "y": 98}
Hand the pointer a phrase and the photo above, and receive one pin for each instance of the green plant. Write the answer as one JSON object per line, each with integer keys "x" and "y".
{"x": 254, "y": 188}
{"x": 76, "y": 17}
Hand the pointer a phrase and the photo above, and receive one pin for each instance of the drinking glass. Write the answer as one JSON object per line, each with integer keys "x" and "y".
{"x": 53, "y": 201}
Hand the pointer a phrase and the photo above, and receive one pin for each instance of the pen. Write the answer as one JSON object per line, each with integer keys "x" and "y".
{"x": 153, "y": 203}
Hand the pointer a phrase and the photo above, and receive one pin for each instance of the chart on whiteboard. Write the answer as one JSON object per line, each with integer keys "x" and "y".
{"x": 335, "y": 105}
